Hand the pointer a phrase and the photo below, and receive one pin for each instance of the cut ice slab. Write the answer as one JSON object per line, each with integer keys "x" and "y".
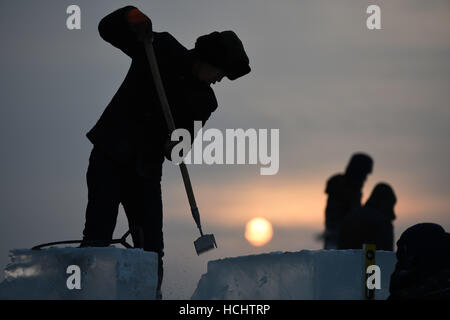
{"x": 310, "y": 275}
{"x": 104, "y": 273}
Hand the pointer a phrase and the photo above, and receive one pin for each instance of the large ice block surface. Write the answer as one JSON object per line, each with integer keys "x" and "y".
{"x": 321, "y": 274}
{"x": 106, "y": 273}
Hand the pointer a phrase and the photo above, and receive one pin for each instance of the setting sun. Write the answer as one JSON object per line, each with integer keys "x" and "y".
{"x": 258, "y": 231}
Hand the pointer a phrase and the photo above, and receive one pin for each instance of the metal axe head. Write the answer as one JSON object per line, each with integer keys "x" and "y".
{"x": 205, "y": 243}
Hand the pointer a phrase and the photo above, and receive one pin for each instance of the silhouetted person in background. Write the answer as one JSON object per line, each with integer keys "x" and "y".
{"x": 423, "y": 264}
{"x": 131, "y": 138}
{"x": 371, "y": 223}
{"x": 344, "y": 194}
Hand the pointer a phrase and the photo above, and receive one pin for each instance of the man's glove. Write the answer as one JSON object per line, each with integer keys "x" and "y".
{"x": 140, "y": 24}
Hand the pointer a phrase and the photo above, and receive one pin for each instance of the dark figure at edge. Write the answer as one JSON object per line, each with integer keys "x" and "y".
{"x": 423, "y": 264}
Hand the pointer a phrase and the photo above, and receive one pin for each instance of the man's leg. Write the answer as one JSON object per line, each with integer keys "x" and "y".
{"x": 103, "y": 182}
{"x": 143, "y": 206}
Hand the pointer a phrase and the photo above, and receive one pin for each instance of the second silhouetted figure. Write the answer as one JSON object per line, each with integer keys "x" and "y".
{"x": 131, "y": 137}
{"x": 371, "y": 223}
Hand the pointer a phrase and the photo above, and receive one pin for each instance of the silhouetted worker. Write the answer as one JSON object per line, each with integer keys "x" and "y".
{"x": 344, "y": 194}
{"x": 371, "y": 223}
{"x": 423, "y": 264}
{"x": 131, "y": 138}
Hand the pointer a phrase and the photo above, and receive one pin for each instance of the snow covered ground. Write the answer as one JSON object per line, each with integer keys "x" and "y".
{"x": 320, "y": 274}
{"x": 105, "y": 273}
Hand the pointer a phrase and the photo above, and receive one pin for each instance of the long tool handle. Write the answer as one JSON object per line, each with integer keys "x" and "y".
{"x": 171, "y": 126}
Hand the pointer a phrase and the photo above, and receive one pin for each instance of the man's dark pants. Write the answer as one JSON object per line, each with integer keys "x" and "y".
{"x": 109, "y": 185}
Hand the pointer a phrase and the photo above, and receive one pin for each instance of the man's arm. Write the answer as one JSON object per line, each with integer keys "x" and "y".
{"x": 124, "y": 28}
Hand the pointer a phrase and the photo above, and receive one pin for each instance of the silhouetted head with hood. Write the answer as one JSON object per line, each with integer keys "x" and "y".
{"x": 358, "y": 168}
{"x": 383, "y": 199}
